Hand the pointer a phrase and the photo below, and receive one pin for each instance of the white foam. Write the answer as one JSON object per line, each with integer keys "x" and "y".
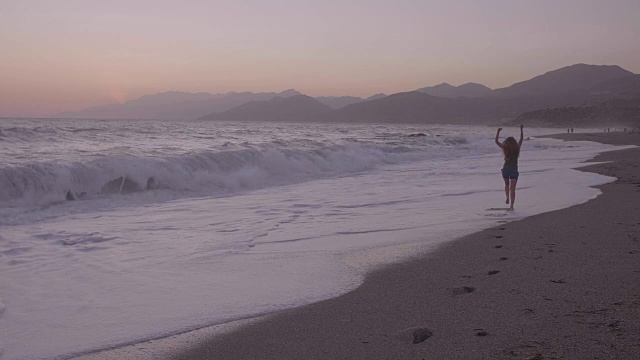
{"x": 220, "y": 172}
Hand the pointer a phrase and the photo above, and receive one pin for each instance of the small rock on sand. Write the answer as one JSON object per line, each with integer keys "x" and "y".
{"x": 421, "y": 334}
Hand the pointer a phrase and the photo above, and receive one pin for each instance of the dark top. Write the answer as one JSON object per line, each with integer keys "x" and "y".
{"x": 510, "y": 163}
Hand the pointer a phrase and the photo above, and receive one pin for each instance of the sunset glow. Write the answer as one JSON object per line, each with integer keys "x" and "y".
{"x": 66, "y": 55}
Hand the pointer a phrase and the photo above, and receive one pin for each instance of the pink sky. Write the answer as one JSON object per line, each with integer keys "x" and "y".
{"x": 69, "y": 54}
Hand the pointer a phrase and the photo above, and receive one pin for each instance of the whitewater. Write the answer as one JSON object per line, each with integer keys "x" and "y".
{"x": 114, "y": 232}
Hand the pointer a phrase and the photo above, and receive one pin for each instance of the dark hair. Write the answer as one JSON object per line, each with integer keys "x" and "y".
{"x": 510, "y": 148}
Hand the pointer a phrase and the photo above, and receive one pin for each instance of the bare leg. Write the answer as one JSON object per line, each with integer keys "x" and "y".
{"x": 506, "y": 188}
{"x": 512, "y": 190}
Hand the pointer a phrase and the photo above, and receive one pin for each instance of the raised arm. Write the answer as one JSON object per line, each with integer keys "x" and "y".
{"x": 497, "y": 135}
{"x": 521, "y": 136}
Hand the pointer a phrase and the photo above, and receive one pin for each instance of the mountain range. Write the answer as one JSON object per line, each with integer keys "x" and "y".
{"x": 292, "y": 108}
{"x": 175, "y": 105}
{"x": 337, "y": 102}
{"x": 471, "y": 90}
{"x": 592, "y": 92}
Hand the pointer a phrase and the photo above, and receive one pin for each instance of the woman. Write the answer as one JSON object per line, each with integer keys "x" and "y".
{"x": 511, "y": 150}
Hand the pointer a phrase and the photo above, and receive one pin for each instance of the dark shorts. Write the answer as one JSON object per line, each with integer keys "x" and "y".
{"x": 510, "y": 173}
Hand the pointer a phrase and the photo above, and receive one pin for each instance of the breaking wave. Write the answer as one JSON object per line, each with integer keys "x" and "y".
{"x": 203, "y": 173}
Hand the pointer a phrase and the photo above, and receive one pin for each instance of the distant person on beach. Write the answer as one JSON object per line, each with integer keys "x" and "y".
{"x": 511, "y": 150}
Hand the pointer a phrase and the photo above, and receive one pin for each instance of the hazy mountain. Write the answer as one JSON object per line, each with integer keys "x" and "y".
{"x": 572, "y": 86}
{"x": 571, "y": 79}
{"x": 418, "y": 107}
{"x": 474, "y": 90}
{"x": 175, "y": 105}
{"x": 471, "y": 90}
{"x": 376, "y": 96}
{"x": 616, "y": 113}
{"x": 442, "y": 90}
{"x": 289, "y": 93}
{"x": 596, "y": 93}
{"x": 626, "y": 87}
{"x": 294, "y": 108}
{"x": 337, "y": 102}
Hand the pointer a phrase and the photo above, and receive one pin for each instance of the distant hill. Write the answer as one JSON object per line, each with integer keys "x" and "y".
{"x": 585, "y": 117}
{"x": 442, "y": 90}
{"x": 579, "y": 96}
{"x": 298, "y": 108}
{"x": 610, "y": 113}
{"x": 571, "y": 86}
{"x": 376, "y": 96}
{"x": 337, "y": 102}
{"x": 577, "y": 78}
{"x": 626, "y": 87}
{"x": 471, "y": 90}
{"x": 594, "y": 93}
{"x": 174, "y": 105}
{"x": 418, "y": 107}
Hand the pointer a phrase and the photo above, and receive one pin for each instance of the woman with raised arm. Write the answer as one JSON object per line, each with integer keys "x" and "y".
{"x": 511, "y": 150}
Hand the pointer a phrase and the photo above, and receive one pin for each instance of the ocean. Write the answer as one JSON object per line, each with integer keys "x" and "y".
{"x": 114, "y": 232}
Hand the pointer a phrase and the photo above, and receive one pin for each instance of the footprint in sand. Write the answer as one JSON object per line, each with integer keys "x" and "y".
{"x": 463, "y": 290}
{"x": 496, "y": 215}
{"x": 421, "y": 334}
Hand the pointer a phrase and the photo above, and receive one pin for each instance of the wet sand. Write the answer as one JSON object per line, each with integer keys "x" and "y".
{"x": 559, "y": 285}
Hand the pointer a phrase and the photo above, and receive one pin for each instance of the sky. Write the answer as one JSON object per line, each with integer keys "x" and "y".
{"x": 70, "y": 54}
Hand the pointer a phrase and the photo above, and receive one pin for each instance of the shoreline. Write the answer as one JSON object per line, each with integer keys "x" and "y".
{"x": 480, "y": 296}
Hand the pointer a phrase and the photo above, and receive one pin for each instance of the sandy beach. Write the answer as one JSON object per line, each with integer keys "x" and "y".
{"x": 560, "y": 285}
